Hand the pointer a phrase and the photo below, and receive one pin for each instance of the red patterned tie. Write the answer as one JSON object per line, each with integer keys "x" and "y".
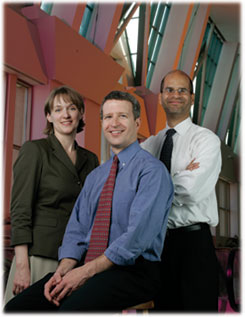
{"x": 99, "y": 237}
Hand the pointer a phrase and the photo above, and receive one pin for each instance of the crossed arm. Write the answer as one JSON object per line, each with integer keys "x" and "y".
{"x": 192, "y": 165}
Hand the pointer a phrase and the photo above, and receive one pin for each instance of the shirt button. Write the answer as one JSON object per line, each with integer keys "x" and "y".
{"x": 123, "y": 164}
{"x": 78, "y": 182}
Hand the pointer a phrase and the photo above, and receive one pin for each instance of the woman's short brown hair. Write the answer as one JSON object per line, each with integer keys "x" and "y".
{"x": 68, "y": 94}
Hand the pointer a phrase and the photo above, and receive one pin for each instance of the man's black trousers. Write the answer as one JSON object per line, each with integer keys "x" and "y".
{"x": 189, "y": 272}
{"x": 113, "y": 290}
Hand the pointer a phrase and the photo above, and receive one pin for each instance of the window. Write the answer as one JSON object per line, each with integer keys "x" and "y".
{"x": 132, "y": 37}
{"x": 86, "y": 19}
{"x": 223, "y": 197}
{"x": 233, "y": 130}
{"x": 158, "y": 21}
{"x": 22, "y": 117}
{"x": 47, "y": 7}
{"x": 206, "y": 68}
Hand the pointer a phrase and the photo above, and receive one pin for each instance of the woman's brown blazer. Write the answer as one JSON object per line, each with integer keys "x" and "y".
{"x": 46, "y": 185}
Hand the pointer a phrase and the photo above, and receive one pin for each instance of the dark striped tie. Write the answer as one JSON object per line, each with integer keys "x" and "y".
{"x": 100, "y": 232}
{"x": 167, "y": 148}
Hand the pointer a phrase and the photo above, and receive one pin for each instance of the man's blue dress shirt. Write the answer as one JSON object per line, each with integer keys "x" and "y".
{"x": 142, "y": 199}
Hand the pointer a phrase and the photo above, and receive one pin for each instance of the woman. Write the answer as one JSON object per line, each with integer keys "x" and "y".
{"x": 48, "y": 176}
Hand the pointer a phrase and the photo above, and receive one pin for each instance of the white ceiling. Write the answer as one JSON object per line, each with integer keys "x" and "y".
{"x": 226, "y": 17}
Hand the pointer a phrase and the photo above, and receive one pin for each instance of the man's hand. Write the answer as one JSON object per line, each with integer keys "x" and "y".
{"x": 193, "y": 165}
{"x": 50, "y": 285}
{"x": 56, "y": 289}
{"x": 64, "y": 267}
{"x": 60, "y": 285}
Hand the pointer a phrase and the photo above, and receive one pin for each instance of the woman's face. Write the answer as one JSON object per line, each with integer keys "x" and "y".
{"x": 64, "y": 116}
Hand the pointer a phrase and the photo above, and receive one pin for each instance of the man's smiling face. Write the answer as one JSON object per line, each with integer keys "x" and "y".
{"x": 119, "y": 126}
{"x": 176, "y": 103}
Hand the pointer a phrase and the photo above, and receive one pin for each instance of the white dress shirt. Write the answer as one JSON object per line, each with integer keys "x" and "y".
{"x": 194, "y": 195}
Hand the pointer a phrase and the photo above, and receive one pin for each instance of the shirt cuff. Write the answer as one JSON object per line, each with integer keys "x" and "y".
{"x": 73, "y": 253}
{"x": 120, "y": 256}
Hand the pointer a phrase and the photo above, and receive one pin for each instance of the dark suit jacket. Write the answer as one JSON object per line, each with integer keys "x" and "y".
{"x": 46, "y": 185}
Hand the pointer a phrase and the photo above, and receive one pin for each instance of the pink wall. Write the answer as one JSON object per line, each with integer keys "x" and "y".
{"x": 44, "y": 52}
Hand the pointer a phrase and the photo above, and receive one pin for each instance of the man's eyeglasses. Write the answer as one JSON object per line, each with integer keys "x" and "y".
{"x": 181, "y": 91}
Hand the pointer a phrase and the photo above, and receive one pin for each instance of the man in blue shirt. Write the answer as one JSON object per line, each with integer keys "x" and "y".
{"x": 127, "y": 273}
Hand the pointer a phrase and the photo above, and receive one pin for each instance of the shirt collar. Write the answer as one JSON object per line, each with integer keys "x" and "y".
{"x": 182, "y": 127}
{"x": 125, "y": 155}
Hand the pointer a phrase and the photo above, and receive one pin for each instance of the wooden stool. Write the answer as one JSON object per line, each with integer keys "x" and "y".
{"x": 144, "y": 307}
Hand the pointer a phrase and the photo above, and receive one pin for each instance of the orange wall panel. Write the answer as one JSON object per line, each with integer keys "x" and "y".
{"x": 83, "y": 66}
{"x": 80, "y": 8}
{"x": 22, "y": 47}
{"x": 144, "y": 127}
{"x": 161, "y": 118}
{"x": 92, "y": 132}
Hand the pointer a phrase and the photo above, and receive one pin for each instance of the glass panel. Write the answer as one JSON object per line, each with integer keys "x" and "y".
{"x": 233, "y": 130}
{"x": 224, "y": 223}
{"x": 158, "y": 20}
{"x": 211, "y": 65}
{"x": 159, "y": 17}
{"x": 132, "y": 32}
{"x": 22, "y": 117}
{"x": 20, "y": 113}
{"x": 128, "y": 9}
{"x": 212, "y": 61}
{"x": 222, "y": 195}
{"x": 86, "y": 19}
{"x": 134, "y": 59}
{"x": 47, "y": 7}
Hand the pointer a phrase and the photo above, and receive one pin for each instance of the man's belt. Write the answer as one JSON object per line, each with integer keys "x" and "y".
{"x": 194, "y": 227}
